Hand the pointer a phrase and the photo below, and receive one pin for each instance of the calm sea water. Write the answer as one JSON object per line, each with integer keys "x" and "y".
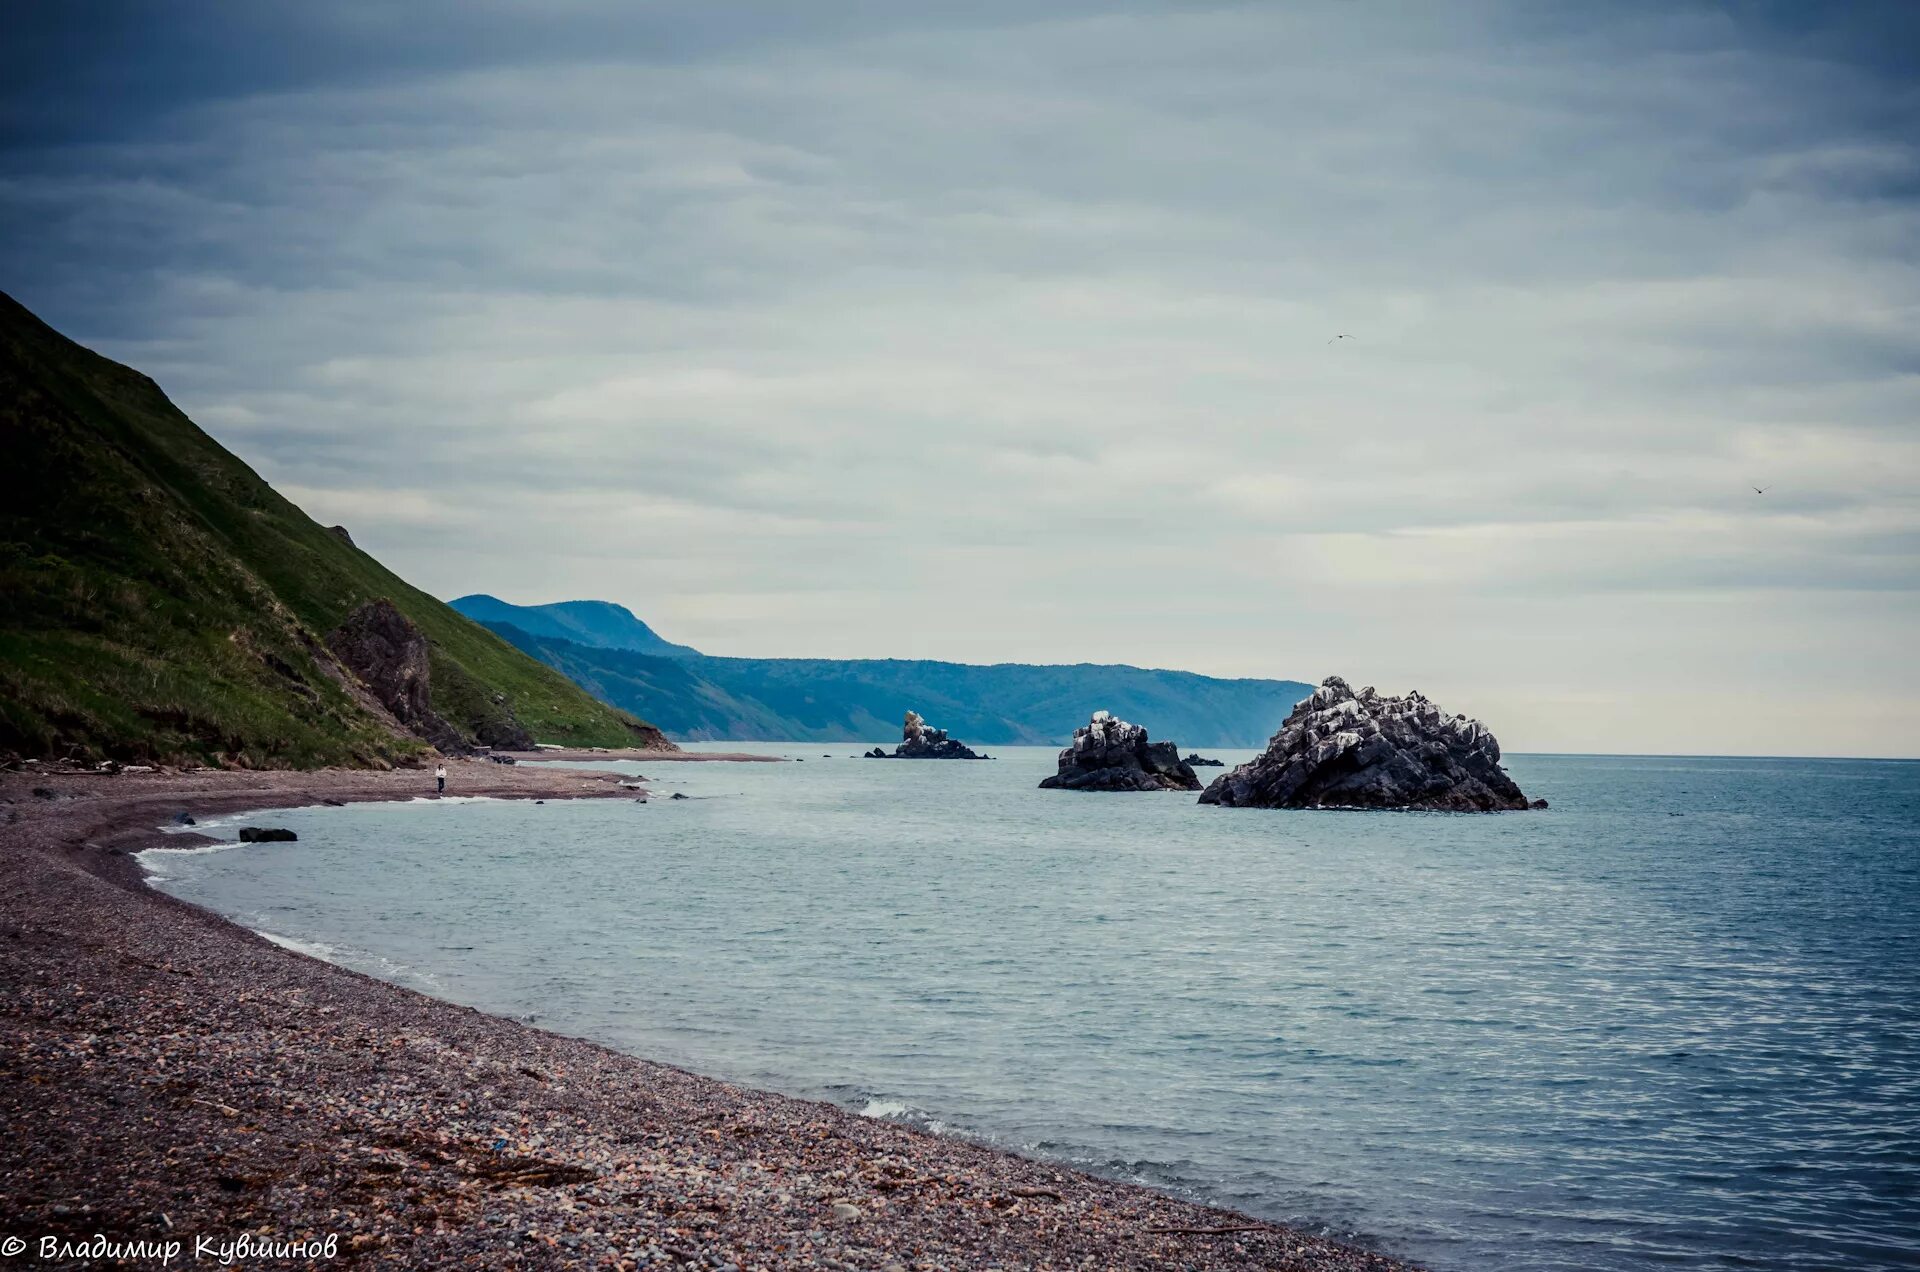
{"x": 1676, "y": 1019}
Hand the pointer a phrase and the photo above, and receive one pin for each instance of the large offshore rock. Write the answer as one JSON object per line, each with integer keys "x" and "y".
{"x": 1341, "y": 749}
{"x": 1108, "y": 754}
{"x": 921, "y": 741}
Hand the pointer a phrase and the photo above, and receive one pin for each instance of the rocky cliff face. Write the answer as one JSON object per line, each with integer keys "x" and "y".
{"x": 389, "y": 655}
{"x": 1108, "y": 754}
{"x": 1341, "y": 749}
{"x": 921, "y": 741}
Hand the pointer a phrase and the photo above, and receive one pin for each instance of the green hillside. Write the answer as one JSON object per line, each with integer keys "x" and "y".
{"x": 158, "y": 600}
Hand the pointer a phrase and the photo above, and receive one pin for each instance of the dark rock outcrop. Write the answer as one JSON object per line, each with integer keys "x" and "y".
{"x": 921, "y": 741}
{"x": 1108, "y": 754}
{"x": 389, "y": 654}
{"x": 1196, "y": 760}
{"x": 266, "y": 835}
{"x": 1341, "y": 749}
{"x": 506, "y": 733}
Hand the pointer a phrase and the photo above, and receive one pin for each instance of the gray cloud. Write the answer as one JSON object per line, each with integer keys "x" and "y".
{"x": 785, "y": 325}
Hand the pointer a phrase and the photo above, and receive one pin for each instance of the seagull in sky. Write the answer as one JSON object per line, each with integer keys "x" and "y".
{"x": 1761, "y": 490}
{"x": 1341, "y": 336}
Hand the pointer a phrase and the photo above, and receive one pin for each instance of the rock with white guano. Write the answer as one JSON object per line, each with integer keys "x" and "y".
{"x": 1108, "y": 754}
{"x": 1341, "y": 749}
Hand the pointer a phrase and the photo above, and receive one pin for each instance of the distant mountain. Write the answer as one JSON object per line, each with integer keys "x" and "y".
{"x": 599, "y": 624}
{"x": 159, "y": 601}
{"x": 701, "y": 698}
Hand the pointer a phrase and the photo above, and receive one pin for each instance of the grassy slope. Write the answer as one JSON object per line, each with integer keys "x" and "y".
{"x": 158, "y": 599}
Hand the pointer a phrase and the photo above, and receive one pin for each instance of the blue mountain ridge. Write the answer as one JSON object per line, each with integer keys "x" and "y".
{"x": 698, "y": 697}
{"x": 600, "y": 624}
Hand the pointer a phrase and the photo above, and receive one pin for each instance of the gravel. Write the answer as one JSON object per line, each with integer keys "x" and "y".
{"x": 167, "y": 1075}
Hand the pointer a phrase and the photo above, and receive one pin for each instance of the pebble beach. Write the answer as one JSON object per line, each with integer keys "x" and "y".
{"x": 171, "y": 1078}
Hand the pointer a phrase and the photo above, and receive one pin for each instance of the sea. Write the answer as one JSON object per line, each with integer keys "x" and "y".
{"x": 1672, "y": 1020}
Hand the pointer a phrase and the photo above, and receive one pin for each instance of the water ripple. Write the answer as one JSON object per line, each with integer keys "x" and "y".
{"x": 1674, "y": 1020}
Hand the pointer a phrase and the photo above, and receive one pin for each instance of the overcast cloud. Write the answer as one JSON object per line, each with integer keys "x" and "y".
{"x": 1000, "y": 332}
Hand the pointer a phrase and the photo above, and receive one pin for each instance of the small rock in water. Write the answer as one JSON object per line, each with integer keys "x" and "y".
{"x": 266, "y": 835}
{"x": 184, "y": 819}
{"x": 1108, "y": 754}
{"x": 678, "y": 795}
{"x": 921, "y": 741}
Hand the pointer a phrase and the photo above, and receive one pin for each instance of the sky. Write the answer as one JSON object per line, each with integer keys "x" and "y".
{"x": 1005, "y": 331}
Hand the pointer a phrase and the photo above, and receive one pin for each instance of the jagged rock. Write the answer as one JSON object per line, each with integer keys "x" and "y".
{"x": 1341, "y": 749}
{"x": 340, "y": 532}
{"x": 389, "y": 654}
{"x": 266, "y": 835}
{"x": 506, "y": 733}
{"x": 1196, "y": 760}
{"x": 921, "y": 741}
{"x": 1108, "y": 754}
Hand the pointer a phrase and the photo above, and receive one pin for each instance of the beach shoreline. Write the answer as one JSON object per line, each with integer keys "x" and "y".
{"x": 170, "y": 1075}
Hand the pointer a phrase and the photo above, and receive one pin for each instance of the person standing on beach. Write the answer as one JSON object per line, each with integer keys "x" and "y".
{"x": 440, "y": 776}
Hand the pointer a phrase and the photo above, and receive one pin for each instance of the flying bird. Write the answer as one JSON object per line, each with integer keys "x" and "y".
{"x": 1342, "y": 336}
{"x": 1761, "y": 490}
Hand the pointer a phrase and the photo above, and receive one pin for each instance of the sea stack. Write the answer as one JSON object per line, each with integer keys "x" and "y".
{"x": 1108, "y": 754}
{"x": 1341, "y": 749}
{"x": 921, "y": 741}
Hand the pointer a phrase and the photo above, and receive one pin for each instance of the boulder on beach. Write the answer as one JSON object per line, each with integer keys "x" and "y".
{"x": 1196, "y": 760}
{"x": 1341, "y": 749}
{"x": 1108, "y": 754}
{"x": 921, "y": 741}
{"x": 266, "y": 835}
